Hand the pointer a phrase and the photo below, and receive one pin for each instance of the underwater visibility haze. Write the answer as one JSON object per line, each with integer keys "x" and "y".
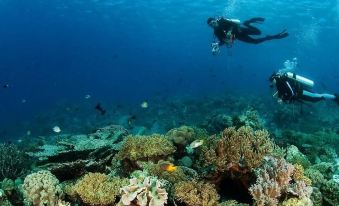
{"x": 113, "y": 95}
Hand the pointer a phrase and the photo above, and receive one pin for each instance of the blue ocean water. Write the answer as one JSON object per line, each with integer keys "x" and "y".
{"x": 123, "y": 52}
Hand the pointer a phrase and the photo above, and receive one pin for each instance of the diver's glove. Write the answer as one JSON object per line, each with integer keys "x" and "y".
{"x": 215, "y": 48}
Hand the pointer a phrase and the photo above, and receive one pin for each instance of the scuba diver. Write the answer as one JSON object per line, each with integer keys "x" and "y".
{"x": 228, "y": 30}
{"x": 292, "y": 87}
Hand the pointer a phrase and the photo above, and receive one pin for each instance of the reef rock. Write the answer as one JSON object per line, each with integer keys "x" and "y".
{"x": 76, "y": 155}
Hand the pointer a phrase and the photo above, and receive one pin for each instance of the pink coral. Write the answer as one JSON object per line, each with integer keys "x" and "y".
{"x": 274, "y": 178}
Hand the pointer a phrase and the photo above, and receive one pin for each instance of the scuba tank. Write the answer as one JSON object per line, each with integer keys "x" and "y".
{"x": 304, "y": 81}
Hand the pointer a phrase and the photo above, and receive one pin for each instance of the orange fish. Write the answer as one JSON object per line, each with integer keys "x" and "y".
{"x": 169, "y": 167}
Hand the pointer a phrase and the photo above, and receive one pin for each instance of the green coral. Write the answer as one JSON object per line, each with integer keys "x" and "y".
{"x": 317, "y": 197}
{"x": 194, "y": 193}
{"x": 316, "y": 177}
{"x": 327, "y": 169}
{"x": 145, "y": 147}
{"x": 156, "y": 170}
{"x": 184, "y": 135}
{"x": 294, "y": 156}
{"x": 99, "y": 189}
{"x": 330, "y": 191}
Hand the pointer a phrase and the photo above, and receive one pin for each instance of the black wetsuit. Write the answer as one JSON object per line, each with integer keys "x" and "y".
{"x": 290, "y": 90}
{"x": 242, "y": 32}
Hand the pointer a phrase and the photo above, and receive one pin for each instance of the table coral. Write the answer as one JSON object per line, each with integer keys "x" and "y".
{"x": 98, "y": 189}
{"x": 42, "y": 188}
{"x": 194, "y": 193}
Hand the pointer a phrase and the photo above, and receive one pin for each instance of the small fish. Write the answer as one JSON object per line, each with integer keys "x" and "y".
{"x": 23, "y": 101}
{"x": 130, "y": 121}
{"x": 169, "y": 167}
{"x": 196, "y": 143}
{"x": 56, "y": 129}
{"x": 28, "y": 133}
{"x": 100, "y": 109}
{"x": 144, "y": 105}
{"x": 5, "y": 86}
{"x": 87, "y": 96}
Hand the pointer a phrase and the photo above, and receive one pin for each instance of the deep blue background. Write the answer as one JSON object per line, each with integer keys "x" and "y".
{"x": 128, "y": 51}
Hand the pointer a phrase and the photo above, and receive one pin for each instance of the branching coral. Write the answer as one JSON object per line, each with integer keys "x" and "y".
{"x": 42, "y": 188}
{"x": 196, "y": 193}
{"x": 98, "y": 189}
{"x": 146, "y": 191}
{"x": 242, "y": 148}
{"x": 13, "y": 162}
{"x": 145, "y": 148}
{"x": 298, "y": 175}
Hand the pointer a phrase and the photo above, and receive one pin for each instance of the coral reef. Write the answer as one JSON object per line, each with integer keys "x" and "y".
{"x": 297, "y": 202}
{"x": 75, "y": 155}
{"x": 239, "y": 149}
{"x": 194, "y": 193}
{"x": 330, "y": 191}
{"x": 13, "y": 162}
{"x": 231, "y": 203}
{"x": 146, "y": 191}
{"x": 274, "y": 179}
{"x": 153, "y": 147}
{"x": 98, "y": 189}
{"x": 294, "y": 156}
{"x": 249, "y": 118}
{"x": 42, "y": 188}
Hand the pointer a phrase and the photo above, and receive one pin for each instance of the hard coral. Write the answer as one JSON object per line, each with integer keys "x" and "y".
{"x": 196, "y": 193}
{"x": 298, "y": 175}
{"x": 42, "y": 188}
{"x": 98, "y": 189}
{"x": 146, "y": 148}
{"x": 146, "y": 191}
{"x": 13, "y": 162}
{"x": 242, "y": 149}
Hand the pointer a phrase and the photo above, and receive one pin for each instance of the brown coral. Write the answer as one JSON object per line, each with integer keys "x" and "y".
{"x": 242, "y": 148}
{"x": 98, "y": 189}
{"x": 299, "y": 175}
{"x": 195, "y": 193}
{"x": 146, "y": 148}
